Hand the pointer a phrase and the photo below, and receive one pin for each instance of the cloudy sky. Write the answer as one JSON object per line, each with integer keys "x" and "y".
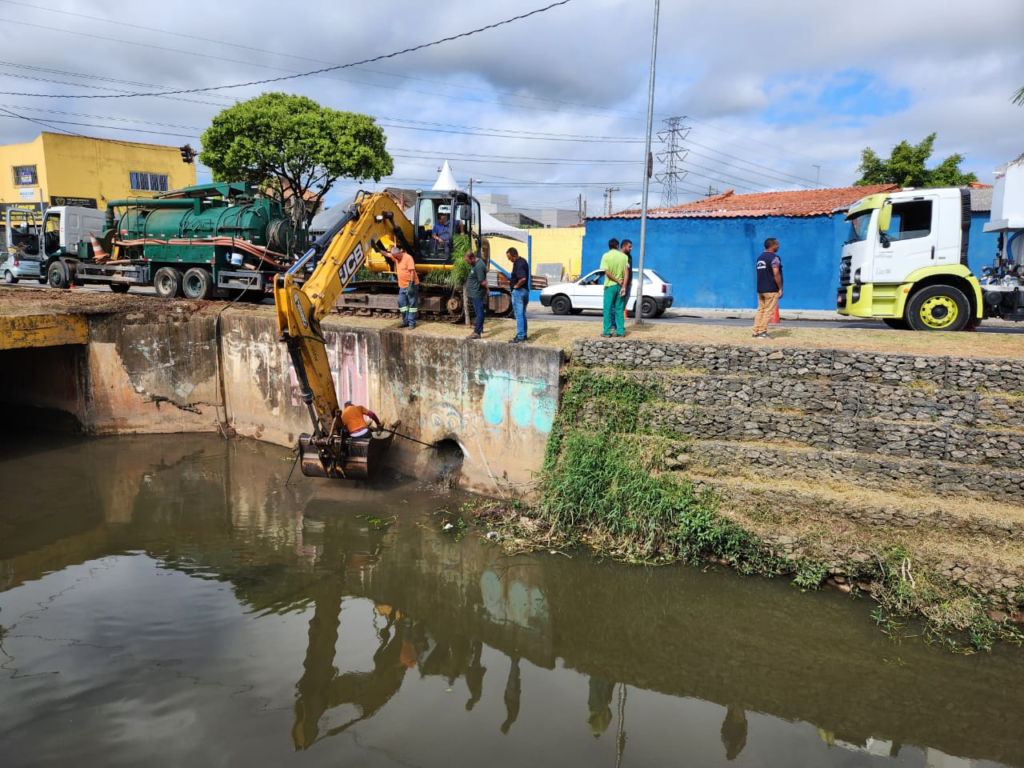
{"x": 779, "y": 95}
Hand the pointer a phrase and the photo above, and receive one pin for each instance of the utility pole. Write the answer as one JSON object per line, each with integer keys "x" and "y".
{"x": 711, "y": 191}
{"x": 673, "y": 155}
{"x": 817, "y": 176}
{"x": 608, "y": 199}
{"x": 638, "y": 308}
{"x": 471, "y": 180}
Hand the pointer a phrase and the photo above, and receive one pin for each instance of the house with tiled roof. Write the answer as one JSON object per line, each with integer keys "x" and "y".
{"x": 707, "y": 248}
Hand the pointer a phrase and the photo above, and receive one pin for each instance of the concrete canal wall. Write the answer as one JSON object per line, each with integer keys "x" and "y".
{"x": 169, "y": 371}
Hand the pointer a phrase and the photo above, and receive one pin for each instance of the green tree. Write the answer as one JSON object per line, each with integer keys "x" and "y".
{"x": 906, "y": 167}
{"x": 1018, "y": 98}
{"x": 290, "y": 143}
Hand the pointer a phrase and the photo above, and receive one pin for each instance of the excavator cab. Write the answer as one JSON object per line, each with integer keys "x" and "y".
{"x": 460, "y": 232}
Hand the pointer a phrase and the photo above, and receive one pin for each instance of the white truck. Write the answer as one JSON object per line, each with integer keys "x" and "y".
{"x": 45, "y": 236}
{"x": 906, "y": 260}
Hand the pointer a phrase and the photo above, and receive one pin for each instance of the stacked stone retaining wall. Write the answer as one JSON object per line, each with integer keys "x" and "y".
{"x": 879, "y": 421}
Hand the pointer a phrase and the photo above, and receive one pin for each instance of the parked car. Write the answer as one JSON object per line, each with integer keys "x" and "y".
{"x": 588, "y": 293}
{"x": 18, "y": 266}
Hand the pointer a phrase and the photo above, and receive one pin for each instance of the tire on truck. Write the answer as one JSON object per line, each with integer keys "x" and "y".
{"x": 197, "y": 284}
{"x": 167, "y": 282}
{"x": 58, "y": 275}
{"x": 938, "y": 308}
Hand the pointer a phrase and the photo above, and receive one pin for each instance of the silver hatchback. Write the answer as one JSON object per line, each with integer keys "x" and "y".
{"x": 18, "y": 266}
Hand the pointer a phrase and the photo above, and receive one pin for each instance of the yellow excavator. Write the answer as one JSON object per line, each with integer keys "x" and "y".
{"x": 371, "y": 225}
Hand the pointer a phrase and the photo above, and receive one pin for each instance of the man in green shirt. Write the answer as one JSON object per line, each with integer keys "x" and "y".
{"x": 614, "y": 264}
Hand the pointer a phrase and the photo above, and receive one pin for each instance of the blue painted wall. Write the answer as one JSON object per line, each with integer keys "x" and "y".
{"x": 710, "y": 262}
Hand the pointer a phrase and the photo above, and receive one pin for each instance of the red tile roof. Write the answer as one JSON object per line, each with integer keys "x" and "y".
{"x": 802, "y": 203}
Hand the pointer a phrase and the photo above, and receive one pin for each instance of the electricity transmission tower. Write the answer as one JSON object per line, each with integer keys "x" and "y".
{"x": 672, "y": 156}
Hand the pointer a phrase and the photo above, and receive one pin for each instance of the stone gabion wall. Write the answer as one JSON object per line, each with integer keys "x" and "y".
{"x": 852, "y": 399}
{"x": 939, "y": 441}
{"x": 838, "y": 365}
{"x": 871, "y": 471}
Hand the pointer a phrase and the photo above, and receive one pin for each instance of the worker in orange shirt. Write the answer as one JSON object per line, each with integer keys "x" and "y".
{"x": 408, "y": 287}
{"x": 354, "y": 417}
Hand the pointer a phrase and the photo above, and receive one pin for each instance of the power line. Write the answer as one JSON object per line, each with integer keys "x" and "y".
{"x": 448, "y": 86}
{"x": 222, "y": 43}
{"x": 748, "y": 162}
{"x": 320, "y": 71}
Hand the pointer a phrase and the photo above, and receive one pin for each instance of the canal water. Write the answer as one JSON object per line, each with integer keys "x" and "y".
{"x": 167, "y": 601}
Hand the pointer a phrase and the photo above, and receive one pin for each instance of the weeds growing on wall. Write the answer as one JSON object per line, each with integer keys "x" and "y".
{"x": 603, "y": 485}
{"x": 603, "y": 482}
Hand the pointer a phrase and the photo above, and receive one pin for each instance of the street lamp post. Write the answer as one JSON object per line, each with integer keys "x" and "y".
{"x": 638, "y": 308}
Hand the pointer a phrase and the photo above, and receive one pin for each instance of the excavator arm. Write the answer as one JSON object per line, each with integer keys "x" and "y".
{"x": 372, "y": 224}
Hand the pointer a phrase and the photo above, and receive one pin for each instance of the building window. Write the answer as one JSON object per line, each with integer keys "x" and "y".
{"x": 24, "y": 175}
{"x": 148, "y": 182}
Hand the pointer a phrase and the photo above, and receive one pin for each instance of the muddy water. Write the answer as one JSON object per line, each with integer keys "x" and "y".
{"x": 167, "y": 602}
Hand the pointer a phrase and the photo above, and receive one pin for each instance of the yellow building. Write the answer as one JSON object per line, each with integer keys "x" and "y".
{"x": 547, "y": 246}
{"x": 75, "y": 170}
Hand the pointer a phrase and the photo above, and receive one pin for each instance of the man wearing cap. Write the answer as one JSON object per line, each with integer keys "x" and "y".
{"x": 408, "y": 287}
{"x": 354, "y": 417}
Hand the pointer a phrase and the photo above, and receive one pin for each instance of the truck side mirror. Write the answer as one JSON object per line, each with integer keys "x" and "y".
{"x": 885, "y": 217}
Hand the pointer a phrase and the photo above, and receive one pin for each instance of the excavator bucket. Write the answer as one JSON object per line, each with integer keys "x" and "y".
{"x": 345, "y": 458}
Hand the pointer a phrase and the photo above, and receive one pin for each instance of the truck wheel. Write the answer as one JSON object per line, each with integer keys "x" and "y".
{"x": 57, "y": 275}
{"x": 9, "y": 278}
{"x": 167, "y": 282}
{"x": 119, "y": 287}
{"x": 896, "y": 323}
{"x": 649, "y": 308}
{"x": 197, "y": 284}
{"x": 938, "y": 308}
{"x": 561, "y": 305}
{"x": 42, "y": 279}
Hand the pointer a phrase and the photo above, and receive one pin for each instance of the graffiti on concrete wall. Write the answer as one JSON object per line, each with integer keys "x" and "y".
{"x": 523, "y": 401}
{"x": 348, "y": 359}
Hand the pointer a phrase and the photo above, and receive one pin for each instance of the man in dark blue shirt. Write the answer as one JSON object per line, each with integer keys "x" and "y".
{"x": 769, "y": 286}
{"x": 520, "y": 282}
{"x": 442, "y": 231}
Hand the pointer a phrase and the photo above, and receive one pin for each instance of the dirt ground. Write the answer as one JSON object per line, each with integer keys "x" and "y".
{"x": 556, "y": 333}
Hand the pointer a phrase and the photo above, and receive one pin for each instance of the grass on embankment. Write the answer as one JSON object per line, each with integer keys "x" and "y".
{"x": 604, "y": 486}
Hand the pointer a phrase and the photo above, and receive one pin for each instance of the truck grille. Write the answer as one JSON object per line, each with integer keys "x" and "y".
{"x": 844, "y": 270}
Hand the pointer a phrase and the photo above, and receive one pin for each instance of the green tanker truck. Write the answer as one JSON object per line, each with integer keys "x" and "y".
{"x": 207, "y": 241}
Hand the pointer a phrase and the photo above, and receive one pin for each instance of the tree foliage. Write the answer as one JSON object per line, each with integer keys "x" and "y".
{"x": 1018, "y": 98}
{"x": 289, "y": 144}
{"x": 906, "y": 167}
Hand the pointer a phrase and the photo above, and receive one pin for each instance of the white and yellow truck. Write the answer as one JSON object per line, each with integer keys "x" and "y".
{"x": 906, "y": 260}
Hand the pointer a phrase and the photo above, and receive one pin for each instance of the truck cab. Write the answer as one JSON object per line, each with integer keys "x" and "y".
{"x": 65, "y": 226}
{"x": 905, "y": 260}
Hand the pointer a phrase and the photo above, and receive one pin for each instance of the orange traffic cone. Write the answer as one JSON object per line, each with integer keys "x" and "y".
{"x": 97, "y": 249}
{"x": 775, "y": 317}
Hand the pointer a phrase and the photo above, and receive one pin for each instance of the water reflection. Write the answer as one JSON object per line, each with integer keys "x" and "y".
{"x": 299, "y": 625}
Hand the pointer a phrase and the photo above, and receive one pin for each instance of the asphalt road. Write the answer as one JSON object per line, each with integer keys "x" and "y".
{"x": 673, "y": 316}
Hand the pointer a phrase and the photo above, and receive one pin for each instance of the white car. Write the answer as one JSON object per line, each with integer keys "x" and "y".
{"x": 588, "y": 293}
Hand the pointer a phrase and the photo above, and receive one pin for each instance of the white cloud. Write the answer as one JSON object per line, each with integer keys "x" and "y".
{"x": 756, "y": 80}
